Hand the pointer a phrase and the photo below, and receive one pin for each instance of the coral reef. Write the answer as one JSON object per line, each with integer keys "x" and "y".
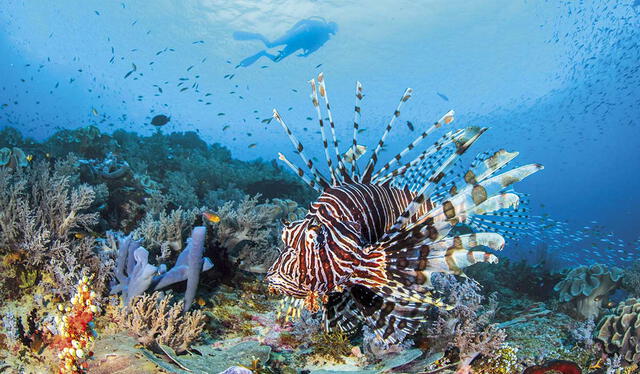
{"x": 164, "y": 232}
{"x": 466, "y": 325}
{"x": 586, "y": 289}
{"x": 631, "y": 279}
{"x": 249, "y": 231}
{"x": 13, "y": 158}
{"x": 156, "y": 321}
{"x": 45, "y": 221}
{"x": 63, "y": 216}
{"x": 619, "y": 333}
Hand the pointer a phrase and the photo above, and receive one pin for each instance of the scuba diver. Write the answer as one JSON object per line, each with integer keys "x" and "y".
{"x": 309, "y": 35}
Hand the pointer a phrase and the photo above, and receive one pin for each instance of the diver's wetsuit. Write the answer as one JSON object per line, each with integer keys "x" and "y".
{"x": 308, "y": 35}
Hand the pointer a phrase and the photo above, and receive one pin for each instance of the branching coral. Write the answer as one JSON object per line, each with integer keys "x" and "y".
{"x": 163, "y": 232}
{"x": 586, "y": 289}
{"x": 155, "y": 320}
{"x": 467, "y": 325}
{"x": 44, "y": 216}
{"x": 249, "y": 231}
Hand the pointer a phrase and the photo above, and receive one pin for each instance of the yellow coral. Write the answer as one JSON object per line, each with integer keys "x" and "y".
{"x": 504, "y": 361}
{"x": 331, "y": 345}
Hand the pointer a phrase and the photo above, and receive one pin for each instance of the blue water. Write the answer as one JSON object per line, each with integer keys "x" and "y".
{"x": 557, "y": 81}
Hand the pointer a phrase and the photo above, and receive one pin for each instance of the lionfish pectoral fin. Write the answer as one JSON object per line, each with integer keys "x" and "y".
{"x": 391, "y": 319}
{"x": 396, "y": 308}
{"x": 341, "y": 313}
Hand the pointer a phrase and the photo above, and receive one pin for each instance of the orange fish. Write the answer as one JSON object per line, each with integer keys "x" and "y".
{"x": 211, "y": 217}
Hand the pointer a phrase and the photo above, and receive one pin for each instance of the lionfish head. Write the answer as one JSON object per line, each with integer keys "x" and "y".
{"x": 300, "y": 238}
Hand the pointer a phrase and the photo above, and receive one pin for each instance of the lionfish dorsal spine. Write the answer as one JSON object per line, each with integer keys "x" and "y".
{"x": 436, "y": 176}
{"x": 320, "y": 179}
{"x": 316, "y": 106}
{"x": 299, "y": 172}
{"x": 357, "y": 117}
{"x": 407, "y": 149}
{"x": 368, "y": 171}
{"x": 444, "y": 141}
{"x": 325, "y": 96}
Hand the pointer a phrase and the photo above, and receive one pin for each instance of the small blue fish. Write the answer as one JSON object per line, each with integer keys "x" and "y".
{"x": 442, "y": 96}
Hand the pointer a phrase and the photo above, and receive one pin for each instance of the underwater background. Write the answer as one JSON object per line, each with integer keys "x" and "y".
{"x": 146, "y": 121}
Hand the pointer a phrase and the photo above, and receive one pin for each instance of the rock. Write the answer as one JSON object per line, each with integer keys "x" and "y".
{"x": 116, "y": 354}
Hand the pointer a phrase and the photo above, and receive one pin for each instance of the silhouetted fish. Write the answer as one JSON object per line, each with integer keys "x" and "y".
{"x": 160, "y": 120}
{"x": 442, "y": 96}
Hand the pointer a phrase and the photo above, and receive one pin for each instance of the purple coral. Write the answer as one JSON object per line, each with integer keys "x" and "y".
{"x": 140, "y": 275}
{"x": 188, "y": 266}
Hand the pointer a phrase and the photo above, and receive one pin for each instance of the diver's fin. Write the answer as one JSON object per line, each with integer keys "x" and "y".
{"x": 243, "y": 35}
{"x": 251, "y": 59}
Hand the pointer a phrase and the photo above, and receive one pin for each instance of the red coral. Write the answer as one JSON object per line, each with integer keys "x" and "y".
{"x": 564, "y": 367}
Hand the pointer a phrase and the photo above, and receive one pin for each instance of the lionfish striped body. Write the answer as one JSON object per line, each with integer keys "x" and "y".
{"x": 367, "y": 248}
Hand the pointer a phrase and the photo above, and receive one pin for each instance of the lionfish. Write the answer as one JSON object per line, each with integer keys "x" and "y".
{"x": 368, "y": 246}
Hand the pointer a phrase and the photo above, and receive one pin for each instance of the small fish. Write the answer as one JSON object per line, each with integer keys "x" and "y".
{"x": 29, "y": 158}
{"x": 211, "y": 217}
{"x": 94, "y": 112}
{"x": 410, "y": 125}
{"x": 160, "y": 120}
{"x": 184, "y": 89}
{"x": 190, "y": 67}
{"x": 252, "y": 145}
{"x": 201, "y": 302}
{"x": 442, "y": 96}
{"x": 79, "y": 235}
{"x": 97, "y": 13}
{"x": 317, "y": 66}
{"x": 221, "y": 114}
{"x": 128, "y": 74}
{"x": 267, "y": 120}
{"x": 225, "y": 128}
{"x": 352, "y": 155}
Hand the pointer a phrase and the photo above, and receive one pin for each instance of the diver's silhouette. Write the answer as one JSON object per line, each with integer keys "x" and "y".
{"x": 308, "y": 35}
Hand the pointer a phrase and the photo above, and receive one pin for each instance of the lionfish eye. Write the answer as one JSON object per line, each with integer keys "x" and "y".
{"x": 284, "y": 222}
